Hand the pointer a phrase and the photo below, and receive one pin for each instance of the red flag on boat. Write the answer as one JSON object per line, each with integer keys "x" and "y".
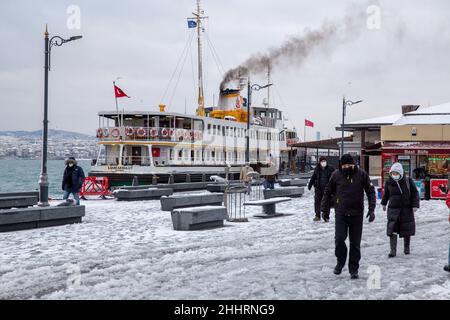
{"x": 119, "y": 92}
{"x": 309, "y": 123}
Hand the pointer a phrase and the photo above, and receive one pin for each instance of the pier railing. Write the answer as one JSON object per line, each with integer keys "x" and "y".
{"x": 149, "y": 133}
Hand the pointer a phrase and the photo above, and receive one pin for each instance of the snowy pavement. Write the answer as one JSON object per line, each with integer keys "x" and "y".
{"x": 128, "y": 250}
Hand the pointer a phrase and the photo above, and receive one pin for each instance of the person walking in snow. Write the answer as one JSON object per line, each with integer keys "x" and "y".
{"x": 349, "y": 184}
{"x": 319, "y": 179}
{"x": 72, "y": 181}
{"x": 402, "y": 200}
{"x": 447, "y": 201}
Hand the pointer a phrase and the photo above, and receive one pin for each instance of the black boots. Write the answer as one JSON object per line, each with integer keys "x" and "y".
{"x": 447, "y": 268}
{"x": 407, "y": 242}
{"x": 337, "y": 270}
{"x": 393, "y": 243}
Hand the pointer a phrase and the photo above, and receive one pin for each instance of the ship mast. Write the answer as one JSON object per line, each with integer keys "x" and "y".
{"x": 268, "y": 81}
{"x": 199, "y": 19}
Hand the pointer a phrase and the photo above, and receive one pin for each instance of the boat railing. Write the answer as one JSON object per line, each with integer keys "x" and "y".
{"x": 149, "y": 133}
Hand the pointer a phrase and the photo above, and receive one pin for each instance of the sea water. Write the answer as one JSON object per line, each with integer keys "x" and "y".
{"x": 23, "y": 175}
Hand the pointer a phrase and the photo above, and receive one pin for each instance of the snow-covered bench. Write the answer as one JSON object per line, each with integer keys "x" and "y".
{"x": 197, "y": 218}
{"x": 145, "y": 194}
{"x": 268, "y": 205}
{"x": 290, "y": 192}
{"x": 169, "y": 203}
{"x": 17, "y": 202}
{"x": 293, "y": 182}
{"x": 38, "y": 217}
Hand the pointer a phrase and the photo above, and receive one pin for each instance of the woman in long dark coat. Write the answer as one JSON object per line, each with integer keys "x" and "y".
{"x": 402, "y": 200}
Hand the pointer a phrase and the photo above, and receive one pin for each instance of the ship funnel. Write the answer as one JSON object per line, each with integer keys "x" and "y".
{"x": 230, "y": 99}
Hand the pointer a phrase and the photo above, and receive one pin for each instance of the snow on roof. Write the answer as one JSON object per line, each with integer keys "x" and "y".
{"x": 424, "y": 119}
{"x": 439, "y": 114}
{"x": 439, "y": 109}
{"x": 377, "y": 120}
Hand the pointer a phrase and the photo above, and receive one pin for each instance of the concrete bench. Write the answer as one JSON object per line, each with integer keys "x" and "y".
{"x": 198, "y": 218}
{"x": 145, "y": 194}
{"x": 18, "y": 202}
{"x": 293, "y": 182}
{"x": 291, "y": 192}
{"x": 169, "y": 203}
{"x": 268, "y": 206}
{"x": 20, "y": 194}
{"x": 39, "y": 217}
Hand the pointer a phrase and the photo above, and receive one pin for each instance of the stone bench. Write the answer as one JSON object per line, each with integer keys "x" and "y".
{"x": 20, "y": 194}
{"x": 39, "y": 217}
{"x": 144, "y": 194}
{"x": 268, "y": 206}
{"x": 198, "y": 218}
{"x": 18, "y": 202}
{"x": 169, "y": 203}
{"x": 291, "y": 192}
{"x": 293, "y": 182}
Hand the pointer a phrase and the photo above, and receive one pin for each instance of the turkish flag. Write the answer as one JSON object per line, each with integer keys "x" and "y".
{"x": 119, "y": 92}
{"x": 156, "y": 152}
{"x": 309, "y": 123}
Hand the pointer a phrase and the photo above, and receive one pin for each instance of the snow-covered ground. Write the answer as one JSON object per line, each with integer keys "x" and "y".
{"x": 128, "y": 250}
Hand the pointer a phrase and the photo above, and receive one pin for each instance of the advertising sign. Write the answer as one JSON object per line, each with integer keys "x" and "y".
{"x": 438, "y": 188}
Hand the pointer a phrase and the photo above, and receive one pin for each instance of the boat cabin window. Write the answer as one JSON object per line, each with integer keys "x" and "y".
{"x": 209, "y": 128}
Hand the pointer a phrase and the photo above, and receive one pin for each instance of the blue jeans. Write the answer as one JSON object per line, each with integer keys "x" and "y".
{"x": 76, "y": 196}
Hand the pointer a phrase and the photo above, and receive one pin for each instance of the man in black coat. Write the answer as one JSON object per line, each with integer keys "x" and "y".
{"x": 403, "y": 198}
{"x": 349, "y": 184}
{"x": 72, "y": 180}
{"x": 320, "y": 178}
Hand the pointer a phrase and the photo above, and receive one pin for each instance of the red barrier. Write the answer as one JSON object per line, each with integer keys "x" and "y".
{"x": 95, "y": 186}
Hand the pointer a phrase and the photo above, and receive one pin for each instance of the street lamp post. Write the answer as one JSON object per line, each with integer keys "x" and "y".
{"x": 43, "y": 178}
{"x": 250, "y": 88}
{"x": 345, "y": 104}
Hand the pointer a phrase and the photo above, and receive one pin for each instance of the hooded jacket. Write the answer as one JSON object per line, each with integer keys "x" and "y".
{"x": 400, "y": 197}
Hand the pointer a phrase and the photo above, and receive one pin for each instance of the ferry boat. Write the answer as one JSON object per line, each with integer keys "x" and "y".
{"x": 168, "y": 147}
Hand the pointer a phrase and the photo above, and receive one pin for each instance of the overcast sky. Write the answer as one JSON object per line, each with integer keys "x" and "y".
{"x": 406, "y": 61}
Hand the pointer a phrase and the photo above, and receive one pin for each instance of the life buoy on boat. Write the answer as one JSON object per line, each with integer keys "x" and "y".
{"x": 99, "y": 133}
{"x": 115, "y": 133}
{"x": 140, "y": 132}
{"x": 164, "y": 133}
{"x": 129, "y": 131}
{"x": 106, "y": 132}
{"x": 179, "y": 133}
{"x": 154, "y": 132}
{"x": 187, "y": 135}
{"x": 171, "y": 132}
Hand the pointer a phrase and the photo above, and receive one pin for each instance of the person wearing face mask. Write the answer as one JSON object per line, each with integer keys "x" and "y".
{"x": 349, "y": 184}
{"x": 403, "y": 198}
{"x": 72, "y": 180}
{"x": 319, "y": 179}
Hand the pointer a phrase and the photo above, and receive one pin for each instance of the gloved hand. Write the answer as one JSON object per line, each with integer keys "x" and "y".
{"x": 371, "y": 216}
{"x": 309, "y": 187}
{"x": 384, "y": 208}
{"x": 414, "y": 210}
{"x": 325, "y": 217}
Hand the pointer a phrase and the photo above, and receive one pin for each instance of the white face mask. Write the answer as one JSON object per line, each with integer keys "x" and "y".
{"x": 70, "y": 164}
{"x": 396, "y": 177}
{"x": 323, "y": 164}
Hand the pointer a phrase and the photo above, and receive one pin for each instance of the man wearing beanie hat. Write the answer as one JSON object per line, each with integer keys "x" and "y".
{"x": 349, "y": 184}
{"x": 320, "y": 178}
